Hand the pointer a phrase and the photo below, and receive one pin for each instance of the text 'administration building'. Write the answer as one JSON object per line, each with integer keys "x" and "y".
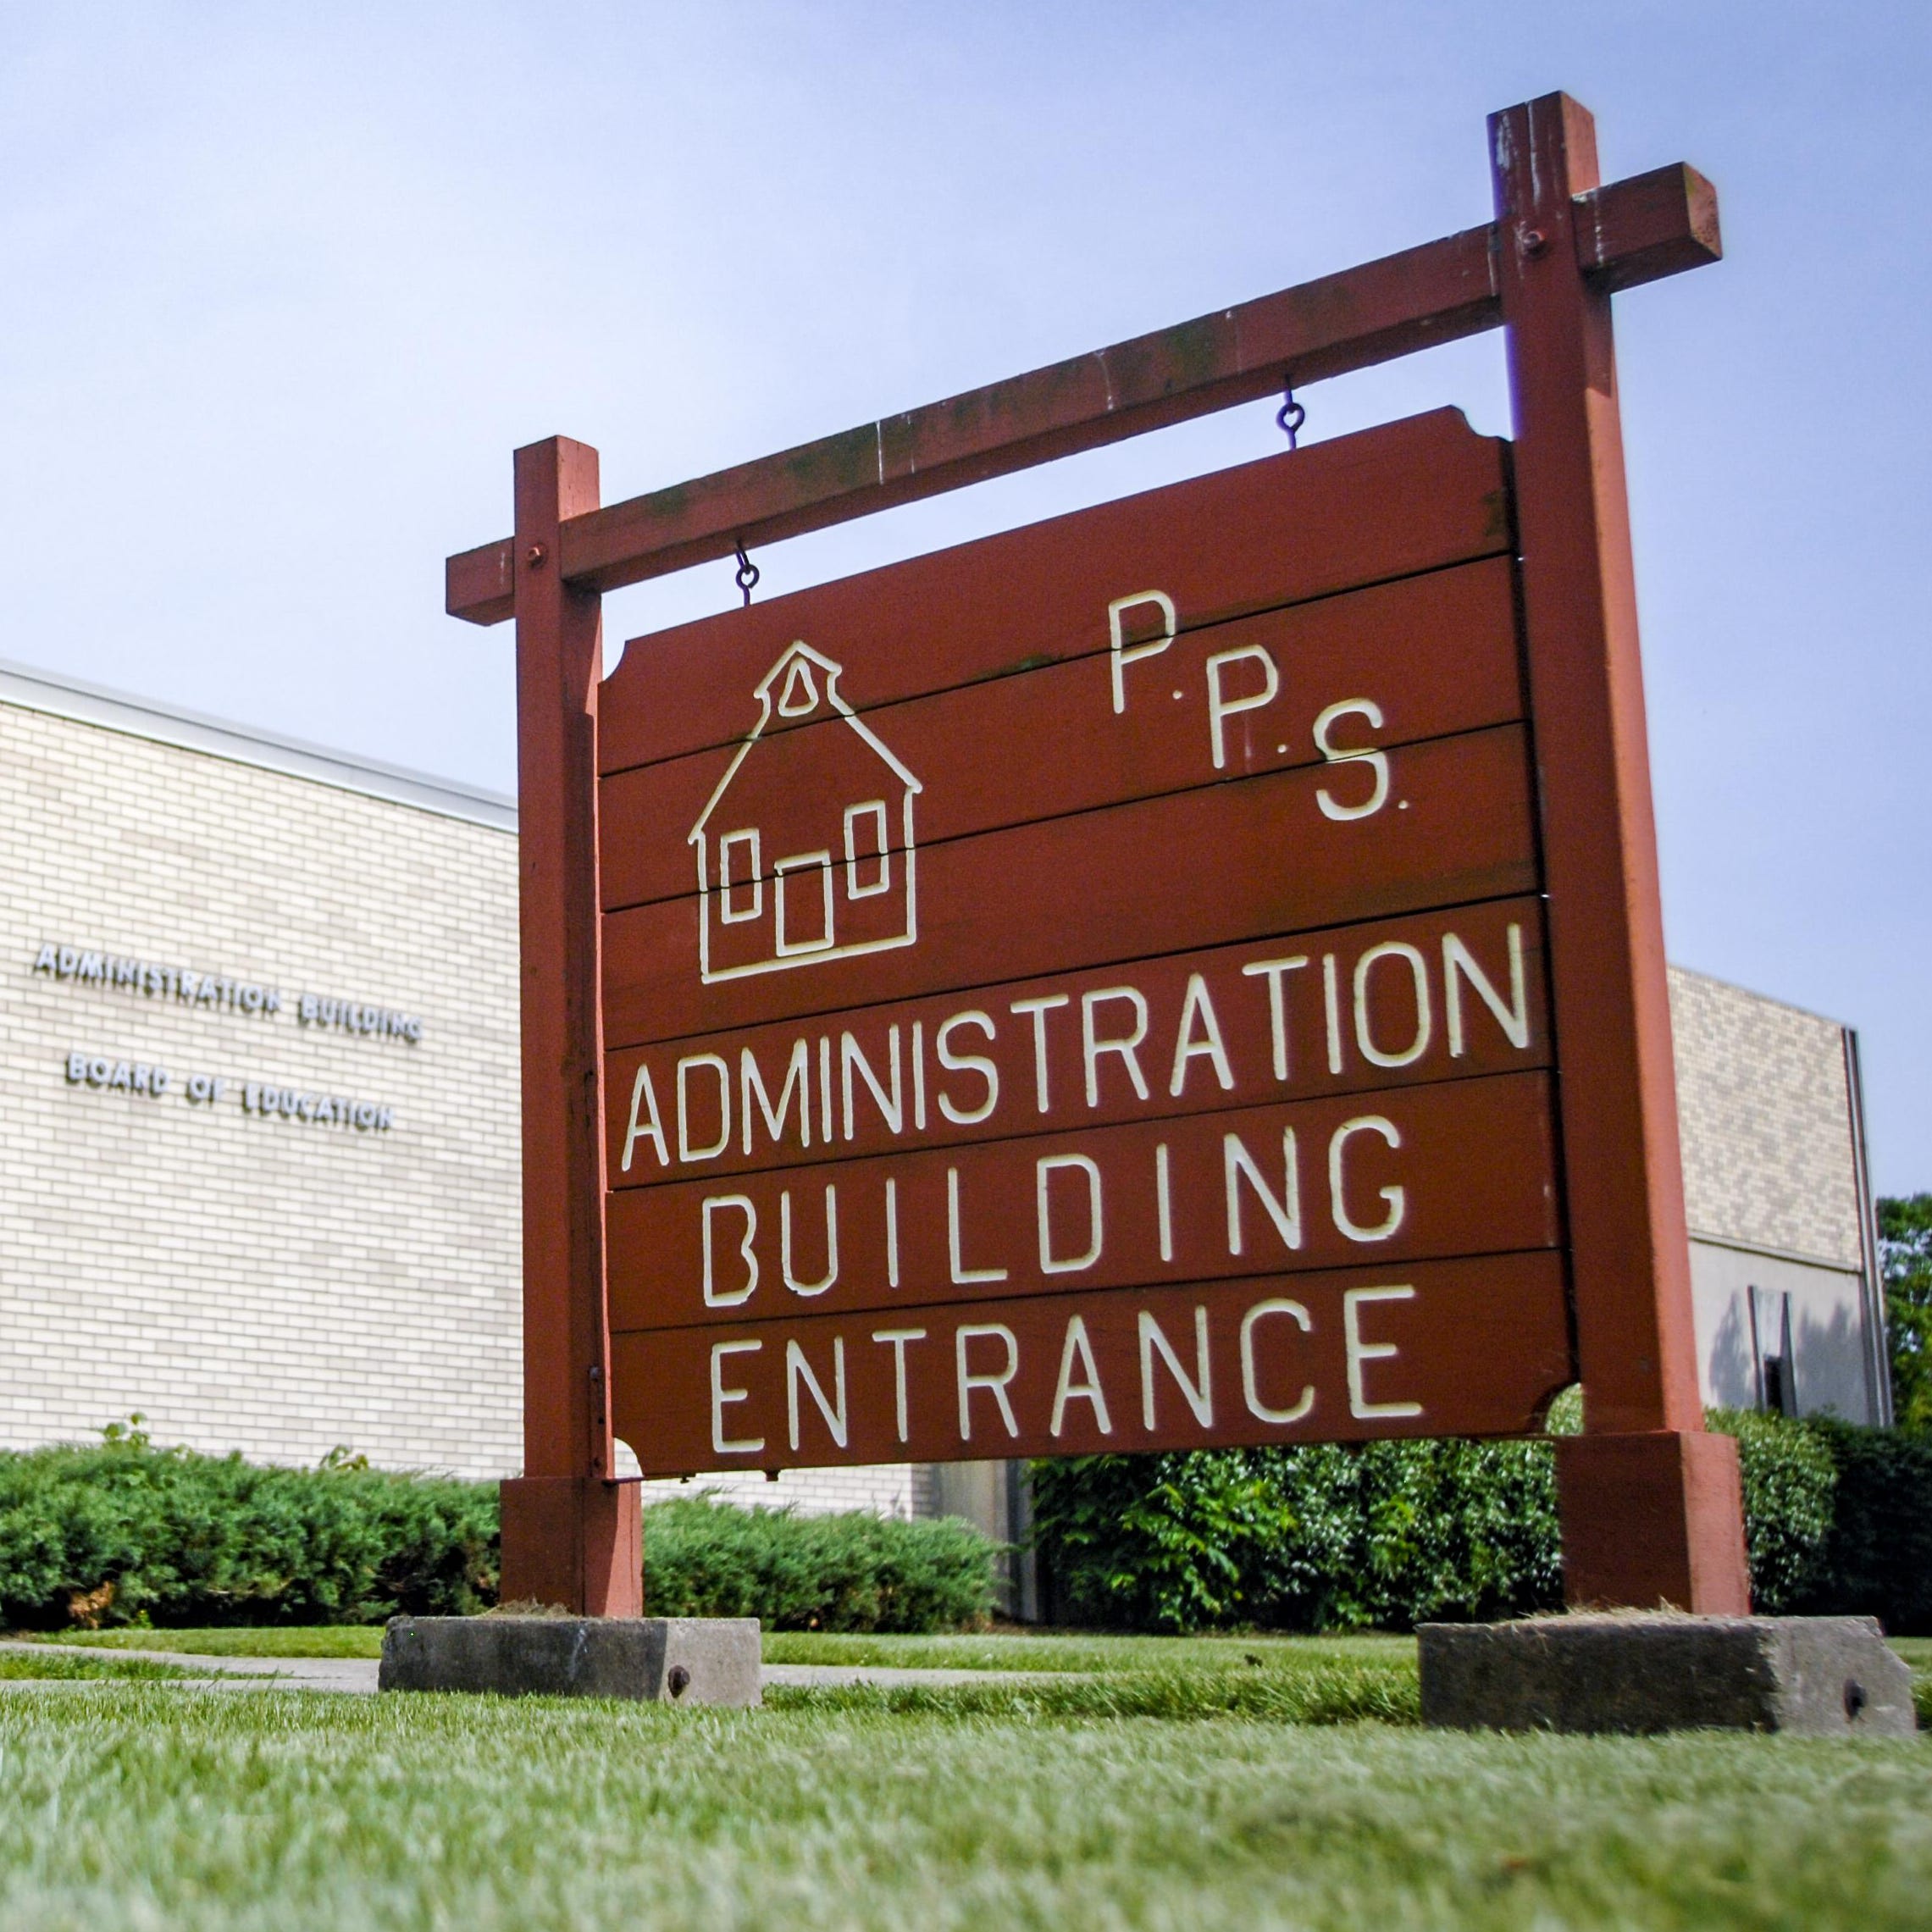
{"x": 260, "y": 1102}
{"x": 261, "y": 1129}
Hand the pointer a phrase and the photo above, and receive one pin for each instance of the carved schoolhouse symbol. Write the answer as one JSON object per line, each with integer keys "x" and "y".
{"x": 806, "y": 850}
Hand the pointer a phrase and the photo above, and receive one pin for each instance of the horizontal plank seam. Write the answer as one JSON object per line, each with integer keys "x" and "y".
{"x": 1469, "y": 561}
{"x": 825, "y": 1014}
{"x": 925, "y": 845}
{"x": 806, "y": 1159}
{"x": 965, "y": 1305}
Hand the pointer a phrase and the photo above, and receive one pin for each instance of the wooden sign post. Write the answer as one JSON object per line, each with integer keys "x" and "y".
{"x": 1188, "y": 973}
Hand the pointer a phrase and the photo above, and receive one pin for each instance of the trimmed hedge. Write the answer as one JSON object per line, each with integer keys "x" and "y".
{"x": 125, "y": 1532}
{"x": 1321, "y": 1538}
{"x": 1790, "y": 1483}
{"x": 1392, "y": 1534}
{"x": 848, "y": 1572}
{"x": 1838, "y": 1518}
{"x": 1877, "y": 1559}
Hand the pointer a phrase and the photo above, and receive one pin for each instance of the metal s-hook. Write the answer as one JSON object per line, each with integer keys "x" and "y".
{"x": 747, "y": 573}
{"x": 1289, "y": 416}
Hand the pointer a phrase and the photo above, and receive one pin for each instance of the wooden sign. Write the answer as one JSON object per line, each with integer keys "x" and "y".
{"x": 1189, "y": 974}
{"x": 1054, "y": 960}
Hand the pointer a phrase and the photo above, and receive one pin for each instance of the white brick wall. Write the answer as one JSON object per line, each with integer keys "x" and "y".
{"x": 263, "y": 1285}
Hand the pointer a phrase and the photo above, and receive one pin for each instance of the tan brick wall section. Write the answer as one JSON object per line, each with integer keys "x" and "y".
{"x": 1766, "y": 1120}
{"x": 258, "y": 1284}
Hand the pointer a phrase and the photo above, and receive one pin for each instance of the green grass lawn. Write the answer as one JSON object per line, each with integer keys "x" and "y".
{"x": 326, "y": 1640}
{"x": 1021, "y": 1650}
{"x": 1291, "y": 1680}
{"x": 993, "y": 1651}
{"x": 16, "y": 1665}
{"x": 133, "y": 1805}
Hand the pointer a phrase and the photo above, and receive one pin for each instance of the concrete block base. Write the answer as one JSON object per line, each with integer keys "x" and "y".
{"x": 671, "y": 1660}
{"x": 1817, "y": 1676}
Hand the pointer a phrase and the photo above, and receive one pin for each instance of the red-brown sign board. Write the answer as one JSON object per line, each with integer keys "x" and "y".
{"x": 1125, "y": 914}
{"x": 1411, "y": 498}
{"x": 1347, "y": 1010}
{"x": 1314, "y": 1185}
{"x": 1101, "y": 987}
{"x": 1443, "y": 1348}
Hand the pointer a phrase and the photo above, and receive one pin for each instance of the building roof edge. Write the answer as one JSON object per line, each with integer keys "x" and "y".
{"x": 31, "y": 689}
{"x": 1764, "y": 999}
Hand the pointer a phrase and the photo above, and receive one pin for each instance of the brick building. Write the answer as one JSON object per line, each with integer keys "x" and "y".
{"x": 1782, "y": 1248}
{"x": 259, "y": 1058}
{"x": 187, "y": 904}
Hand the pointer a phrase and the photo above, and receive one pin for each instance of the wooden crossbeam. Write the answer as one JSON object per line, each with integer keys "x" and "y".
{"x": 1626, "y": 234}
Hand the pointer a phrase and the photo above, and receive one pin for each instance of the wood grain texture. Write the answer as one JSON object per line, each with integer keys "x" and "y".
{"x": 1438, "y": 655}
{"x": 1643, "y": 229}
{"x": 1455, "y": 1168}
{"x": 1013, "y": 1059}
{"x": 1633, "y": 231}
{"x": 1407, "y": 497}
{"x": 1434, "y": 1349}
{"x": 568, "y": 1539}
{"x": 1428, "y": 295}
{"x": 1214, "y": 867}
{"x": 1632, "y": 1255}
{"x": 565, "y": 1433}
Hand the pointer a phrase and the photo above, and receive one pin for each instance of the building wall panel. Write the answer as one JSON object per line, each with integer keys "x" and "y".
{"x": 1767, "y": 1123}
{"x": 257, "y": 1283}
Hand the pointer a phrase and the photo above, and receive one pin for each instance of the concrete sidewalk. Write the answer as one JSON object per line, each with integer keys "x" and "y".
{"x": 356, "y": 1675}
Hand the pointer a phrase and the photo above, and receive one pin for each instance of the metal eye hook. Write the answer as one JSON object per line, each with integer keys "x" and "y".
{"x": 746, "y": 574}
{"x": 1289, "y": 416}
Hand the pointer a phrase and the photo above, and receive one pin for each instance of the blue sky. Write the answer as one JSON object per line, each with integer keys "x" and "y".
{"x": 285, "y": 287}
